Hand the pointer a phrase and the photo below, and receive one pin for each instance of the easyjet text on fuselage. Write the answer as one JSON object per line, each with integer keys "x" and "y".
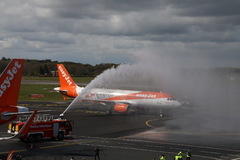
{"x": 146, "y": 95}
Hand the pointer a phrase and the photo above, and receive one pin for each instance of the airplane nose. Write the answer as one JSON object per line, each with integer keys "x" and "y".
{"x": 177, "y": 104}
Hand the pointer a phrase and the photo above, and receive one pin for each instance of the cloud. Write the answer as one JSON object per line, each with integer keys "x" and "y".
{"x": 75, "y": 28}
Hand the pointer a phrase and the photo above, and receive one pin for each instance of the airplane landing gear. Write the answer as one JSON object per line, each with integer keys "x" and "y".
{"x": 160, "y": 113}
{"x": 109, "y": 112}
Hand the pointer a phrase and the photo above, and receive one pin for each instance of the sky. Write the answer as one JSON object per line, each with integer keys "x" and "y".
{"x": 192, "y": 33}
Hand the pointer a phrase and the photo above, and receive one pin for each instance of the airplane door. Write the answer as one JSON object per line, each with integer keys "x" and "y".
{"x": 159, "y": 101}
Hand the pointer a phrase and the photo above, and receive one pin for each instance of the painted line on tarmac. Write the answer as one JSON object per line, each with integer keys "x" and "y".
{"x": 147, "y": 123}
{"x": 196, "y": 133}
{"x": 145, "y": 133}
{"x": 14, "y": 151}
{"x": 151, "y": 120}
{"x": 186, "y": 145}
{"x": 68, "y": 144}
{"x": 203, "y": 133}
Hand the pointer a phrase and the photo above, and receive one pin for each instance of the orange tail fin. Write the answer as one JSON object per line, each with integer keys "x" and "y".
{"x": 10, "y": 82}
{"x": 64, "y": 77}
{"x": 10, "y": 154}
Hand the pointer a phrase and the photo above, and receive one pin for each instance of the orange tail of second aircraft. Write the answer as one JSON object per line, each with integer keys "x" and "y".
{"x": 64, "y": 77}
{"x": 67, "y": 85}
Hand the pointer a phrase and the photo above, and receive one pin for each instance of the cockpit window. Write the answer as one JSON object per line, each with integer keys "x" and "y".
{"x": 171, "y": 99}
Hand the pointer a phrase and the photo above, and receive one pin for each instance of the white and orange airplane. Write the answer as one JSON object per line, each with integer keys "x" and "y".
{"x": 10, "y": 82}
{"x": 120, "y": 101}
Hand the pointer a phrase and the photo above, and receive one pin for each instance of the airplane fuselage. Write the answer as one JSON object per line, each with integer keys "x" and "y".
{"x": 133, "y": 98}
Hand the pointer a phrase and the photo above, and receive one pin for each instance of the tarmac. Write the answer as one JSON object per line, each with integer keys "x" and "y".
{"x": 135, "y": 136}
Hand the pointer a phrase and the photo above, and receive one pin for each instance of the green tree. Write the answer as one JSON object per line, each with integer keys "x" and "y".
{"x": 46, "y": 69}
{"x": 41, "y": 70}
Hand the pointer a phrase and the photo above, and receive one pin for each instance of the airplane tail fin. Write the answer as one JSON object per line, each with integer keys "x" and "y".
{"x": 10, "y": 154}
{"x": 10, "y": 82}
{"x": 64, "y": 77}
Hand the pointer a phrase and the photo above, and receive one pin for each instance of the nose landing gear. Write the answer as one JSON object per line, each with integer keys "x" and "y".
{"x": 160, "y": 113}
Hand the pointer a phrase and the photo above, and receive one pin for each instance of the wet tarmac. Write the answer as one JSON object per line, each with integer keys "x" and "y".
{"x": 135, "y": 136}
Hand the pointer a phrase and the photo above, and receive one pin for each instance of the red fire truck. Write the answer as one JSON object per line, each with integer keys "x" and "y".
{"x": 54, "y": 128}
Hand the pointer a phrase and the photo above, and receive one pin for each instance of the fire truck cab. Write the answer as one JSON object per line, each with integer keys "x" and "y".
{"x": 54, "y": 128}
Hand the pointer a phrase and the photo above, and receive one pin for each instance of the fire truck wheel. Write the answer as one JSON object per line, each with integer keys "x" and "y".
{"x": 31, "y": 138}
{"x": 60, "y": 135}
{"x": 39, "y": 137}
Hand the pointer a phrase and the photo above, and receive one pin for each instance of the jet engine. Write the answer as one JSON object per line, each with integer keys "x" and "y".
{"x": 121, "y": 108}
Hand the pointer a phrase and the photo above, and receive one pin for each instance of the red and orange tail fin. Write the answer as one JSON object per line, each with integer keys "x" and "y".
{"x": 10, "y": 82}
{"x": 10, "y": 154}
{"x": 64, "y": 77}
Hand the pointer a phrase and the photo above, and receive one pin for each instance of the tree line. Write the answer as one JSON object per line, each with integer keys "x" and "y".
{"x": 48, "y": 67}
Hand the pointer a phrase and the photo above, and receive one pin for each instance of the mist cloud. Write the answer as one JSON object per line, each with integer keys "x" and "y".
{"x": 211, "y": 94}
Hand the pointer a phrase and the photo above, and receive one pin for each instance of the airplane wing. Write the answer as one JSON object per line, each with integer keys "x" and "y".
{"x": 25, "y": 127}
{"x": 23, "y": 113}
{"x": 118, "y": 106}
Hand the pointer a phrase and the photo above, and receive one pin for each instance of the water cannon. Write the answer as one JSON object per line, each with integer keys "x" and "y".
{"x": 61, "y": 115}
